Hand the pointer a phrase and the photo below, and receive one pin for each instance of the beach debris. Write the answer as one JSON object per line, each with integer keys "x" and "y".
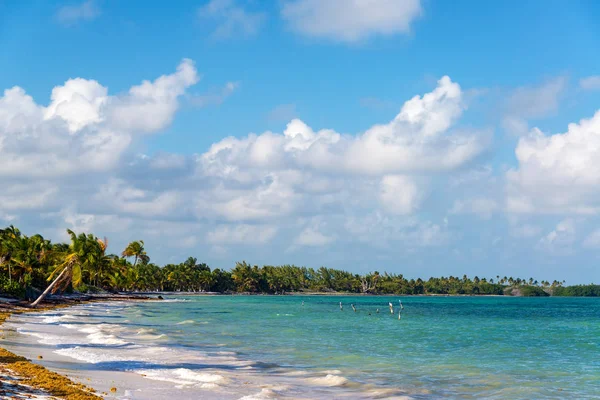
{"x": 40, "y": 358}
{"x": 391, "y": 308}
{"x": 354, "y": 308}
{"x": 341, "y": 306}
{"x": 113, "y": 389}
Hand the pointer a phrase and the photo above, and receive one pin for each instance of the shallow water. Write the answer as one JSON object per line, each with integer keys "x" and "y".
{"x": 276, "y": 347}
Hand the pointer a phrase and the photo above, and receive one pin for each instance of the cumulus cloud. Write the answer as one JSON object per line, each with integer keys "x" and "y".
{"x": 399, "y": 194}
{"x": 83, "y": 128}
{"x": 352, "y": 20}
{"x": 77, "y": 162}
{"x": 72, "y": 14}
{"x": 590, "y": 83}
{"x": 231, "y": 18}
{"x": 419, "y": 138}
{"x": 557, "y": 173}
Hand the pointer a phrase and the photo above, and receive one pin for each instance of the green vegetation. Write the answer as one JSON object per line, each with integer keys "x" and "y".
{"x": 85, "y": 265}
{"x": 578, "y": 290}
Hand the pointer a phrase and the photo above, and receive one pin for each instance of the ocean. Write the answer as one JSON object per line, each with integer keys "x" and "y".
{"x": 305, "y": 347}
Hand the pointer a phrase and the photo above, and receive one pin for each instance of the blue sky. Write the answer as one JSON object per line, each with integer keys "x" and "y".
{"x": 328, "y": 161}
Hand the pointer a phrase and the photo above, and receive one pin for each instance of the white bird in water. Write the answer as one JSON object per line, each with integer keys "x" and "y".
{"x": 341, "y": 306}
{"x": 354, "y": 308}
{"x": 302, "y": 303}
{"x": 399, "y": 314}
{"x": 378, "y": 311}
{"x": 391, "y": 308}
{"x": 401, "y": 306}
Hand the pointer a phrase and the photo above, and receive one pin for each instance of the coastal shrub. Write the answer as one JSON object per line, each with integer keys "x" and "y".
{"x": 578, "y": 290}
{"x": 532, "y": 291}
{"x": 11, "y": 288}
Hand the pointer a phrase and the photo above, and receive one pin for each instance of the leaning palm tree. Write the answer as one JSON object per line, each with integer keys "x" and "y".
{"x": 136, "y": 249}
{"x": 78, "y": 255}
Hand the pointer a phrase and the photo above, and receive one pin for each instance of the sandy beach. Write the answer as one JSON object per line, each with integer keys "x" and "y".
{"x": 21, "y": 378}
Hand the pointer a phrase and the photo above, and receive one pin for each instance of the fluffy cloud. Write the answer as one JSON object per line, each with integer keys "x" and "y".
{"x": 419, "y": 138}
{"x": 351, "y": 20}
{"x": 83, "y": 128}
{"x": 302, "y": 188}
{"x": 557, "y": 173}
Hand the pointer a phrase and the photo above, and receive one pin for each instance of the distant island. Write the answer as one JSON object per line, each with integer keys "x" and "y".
{"x": 32, "y": 264}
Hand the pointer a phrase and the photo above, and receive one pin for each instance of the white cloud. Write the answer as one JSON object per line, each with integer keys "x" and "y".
{"x": 418, "y": 139}
{"x": 561, "y": 238}
{"x": 351, "y": 20}
{"x": 313, "y": 238}
{"x": 83, "y": 129}
{"x": 231, "y": 18}
{"x": 241, "y": 234}
{"x": 78, "y": 165}
{"x": 557, "y": 173}
{"x": 70, "y": 15}
{"x": 590, "y": 83}
{"x": 399, "y": 194}
{"x": 385, "y": 232}
{"x": 530, "y": 102}
{"x": 150, "y": 106}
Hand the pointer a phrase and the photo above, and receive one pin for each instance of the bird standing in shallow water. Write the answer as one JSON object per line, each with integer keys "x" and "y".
{"x": 391, "y": 308}
{"x": 341, "y": 307}
{"x": 354, "y": 308}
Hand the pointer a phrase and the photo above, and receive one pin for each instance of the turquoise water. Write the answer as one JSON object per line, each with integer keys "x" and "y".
{"x": 451, "y": 347}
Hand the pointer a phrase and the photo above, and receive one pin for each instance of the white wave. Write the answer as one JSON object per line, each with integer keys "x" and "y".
{"x": 90, "y": 356}
{"x": 186, "y": 322}
{"x": 101, "y": 338}
{"x": 57, "y": 318}
{"x": 45, "y": 338}
{"x": 184, "y": 377}
{"x": 263, "y": 394}
{"x": 329, "y": 380}
{"x": 143, "y": 331}
{"x": 174, "y": 300}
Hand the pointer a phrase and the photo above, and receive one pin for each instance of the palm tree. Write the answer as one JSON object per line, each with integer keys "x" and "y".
{"x": 136, "y": 249}
{"x": 78, "y": 256}
{"x": 8, "y": 238}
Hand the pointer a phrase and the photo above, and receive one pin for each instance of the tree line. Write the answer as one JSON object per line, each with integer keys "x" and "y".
{"x": 85, "y": 265}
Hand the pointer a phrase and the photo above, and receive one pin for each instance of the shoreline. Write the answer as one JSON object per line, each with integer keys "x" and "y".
{"x": 23, "y": 378}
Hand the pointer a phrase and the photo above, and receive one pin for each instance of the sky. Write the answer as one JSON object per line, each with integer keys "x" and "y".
{"x": 422, "y": 137}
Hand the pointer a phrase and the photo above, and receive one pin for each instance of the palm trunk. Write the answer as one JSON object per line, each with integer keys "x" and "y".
{"x": 48, "y": 289}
